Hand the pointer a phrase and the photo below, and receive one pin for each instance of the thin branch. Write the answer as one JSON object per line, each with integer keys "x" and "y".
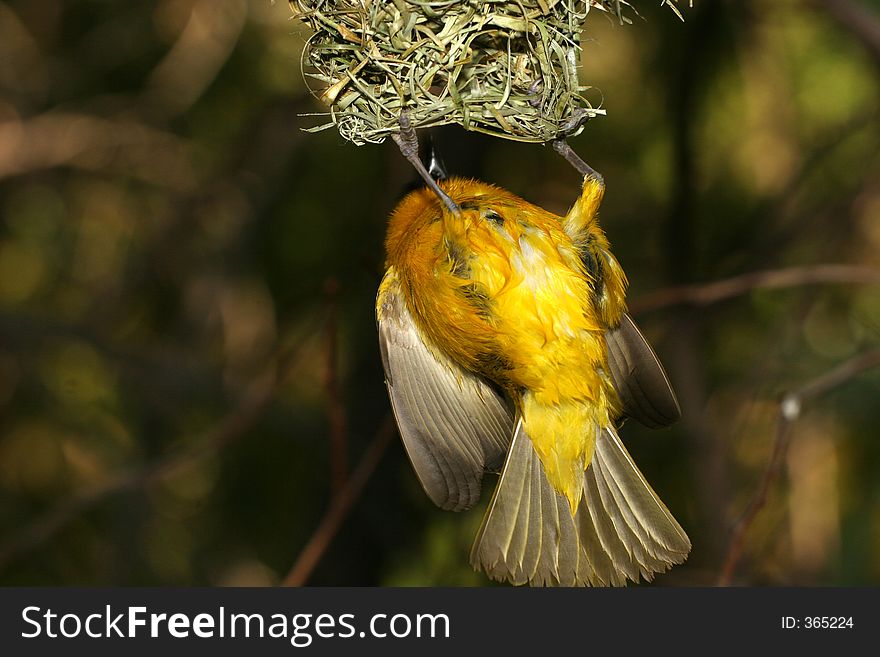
{"x": 95, "y": 144}
{"x": 790, "y": 409}
{"x": 233, "y": 427}
{"x": 737, "y": 540}
{"x": 340, "y": 506}
{"x": 706, "y": 294}
{"x": 831, "y": 380}
{"x": 858, "y": 20}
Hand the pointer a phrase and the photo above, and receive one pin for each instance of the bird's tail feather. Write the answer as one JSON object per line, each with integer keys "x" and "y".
{"x": 621, "y": 530}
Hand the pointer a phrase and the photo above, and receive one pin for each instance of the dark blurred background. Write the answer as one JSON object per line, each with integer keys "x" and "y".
{"x": 190, "y": 384}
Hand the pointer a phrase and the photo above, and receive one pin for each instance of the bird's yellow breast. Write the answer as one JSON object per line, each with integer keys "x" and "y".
{"x": 502, "y": 290}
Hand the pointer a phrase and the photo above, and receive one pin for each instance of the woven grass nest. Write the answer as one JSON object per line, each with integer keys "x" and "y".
{"x": 507, "y": 69}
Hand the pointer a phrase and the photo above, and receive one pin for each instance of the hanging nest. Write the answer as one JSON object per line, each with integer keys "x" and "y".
{"x": 507, "y": 69}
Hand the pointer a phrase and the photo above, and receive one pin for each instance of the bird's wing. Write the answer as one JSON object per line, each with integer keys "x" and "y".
{"x": 529, "y": 535}
{"x": 639, "y": 377}
{"x": 621, "y": 531}
{"x": 633, "y": 526}
{"x": 454, "y": 425}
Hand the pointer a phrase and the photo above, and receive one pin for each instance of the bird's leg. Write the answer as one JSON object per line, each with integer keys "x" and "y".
{"x": 578, "y": 117}
{"x": 408, "y": 143}
{"x": 561, "y": 146}
{"x": 583, "y": 212}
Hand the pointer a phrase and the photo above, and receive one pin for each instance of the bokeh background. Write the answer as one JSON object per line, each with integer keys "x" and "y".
{"x": 190, "y": 384}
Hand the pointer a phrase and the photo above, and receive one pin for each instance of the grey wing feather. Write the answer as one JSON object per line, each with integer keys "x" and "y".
{"x": 639, "y": 378}
{"x": 453, "y": 424}
{"x": 645, "y": 525}
{"x": 621, "y": 531}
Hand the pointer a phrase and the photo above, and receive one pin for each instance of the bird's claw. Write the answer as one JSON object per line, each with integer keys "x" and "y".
{"x": 561, "y": 146}
{"x": 408, "y": 143}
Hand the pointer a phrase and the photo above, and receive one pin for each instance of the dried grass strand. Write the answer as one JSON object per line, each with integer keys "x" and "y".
{"x": 507, "y": 69}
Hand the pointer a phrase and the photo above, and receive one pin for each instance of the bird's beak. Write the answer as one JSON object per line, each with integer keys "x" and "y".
{"x": 434, "y": 162}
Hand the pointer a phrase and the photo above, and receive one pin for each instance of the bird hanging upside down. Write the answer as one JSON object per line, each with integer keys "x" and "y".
{"x": 507, "y": 347}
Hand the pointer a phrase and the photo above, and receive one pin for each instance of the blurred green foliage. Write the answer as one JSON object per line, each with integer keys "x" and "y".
{"x": 171, "y": 241}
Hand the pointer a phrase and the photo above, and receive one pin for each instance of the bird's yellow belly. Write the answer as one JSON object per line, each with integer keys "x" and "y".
{"x": 540, "y": 311}
{"x": 548, "y": 331}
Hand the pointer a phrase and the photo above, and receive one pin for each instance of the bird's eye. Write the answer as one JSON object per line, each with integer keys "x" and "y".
{"x": 494, "y": 217}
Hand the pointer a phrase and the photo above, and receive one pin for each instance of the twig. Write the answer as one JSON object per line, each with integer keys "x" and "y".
{"x": 168, "y": 368}
{"x": 858, "y": 20}
{"x": 706, "y": 294}
{"x": 336, "y": 415}
{"x": 783, "y": 211}
{"x": 735, "y": 546}
{"x": 789, "y": 411}
{"x": 201, "y": 50}
{"x": 340, "y": 505}
{"x": 94, "y": 143}
{"x": 233, "y": 427}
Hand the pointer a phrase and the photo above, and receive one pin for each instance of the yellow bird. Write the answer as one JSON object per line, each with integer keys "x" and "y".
{"x": 507, "y": 347}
